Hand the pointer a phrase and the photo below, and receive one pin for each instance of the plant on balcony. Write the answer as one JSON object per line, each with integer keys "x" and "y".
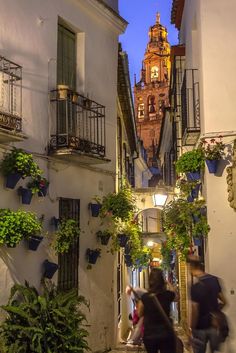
{"x": 119, "y": 205}
{"x": 17, "y": 225}
{"x": 213, "y": 151}
{"x": 68, "y": 230}
{"x": 45, "y": 321}
{"x": 191, "y": 163}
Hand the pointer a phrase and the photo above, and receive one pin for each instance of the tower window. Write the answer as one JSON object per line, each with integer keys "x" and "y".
{"x": 141, "y": 111}
{"x": 154, "y": 73}
{"x": 151, "y": 105}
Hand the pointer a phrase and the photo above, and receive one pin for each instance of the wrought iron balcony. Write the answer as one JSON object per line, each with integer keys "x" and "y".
{"x": 190, "y": 107}
{"x": 77, "y": 127}
{"x": 10, "y": 101}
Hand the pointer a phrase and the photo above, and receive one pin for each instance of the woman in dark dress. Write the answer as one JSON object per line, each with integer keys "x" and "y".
{"x": 158, "y": 337}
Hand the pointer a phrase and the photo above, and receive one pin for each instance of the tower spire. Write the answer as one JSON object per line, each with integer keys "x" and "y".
{"x": 158, "y": 18}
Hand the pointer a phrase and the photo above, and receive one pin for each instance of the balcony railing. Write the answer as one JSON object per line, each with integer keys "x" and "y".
{"x": 190, "y": 104}
{"x": 10, "y": 95}
{"x": 78, "y": 123}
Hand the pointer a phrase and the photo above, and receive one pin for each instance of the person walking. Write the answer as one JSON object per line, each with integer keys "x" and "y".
{"x": 206, "y": 298}
{"x": 158, "y": 337}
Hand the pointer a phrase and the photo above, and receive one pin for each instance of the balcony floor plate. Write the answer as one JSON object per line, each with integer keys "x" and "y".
{"x": 11, "y": 136}
{"x": 78, "y": 157}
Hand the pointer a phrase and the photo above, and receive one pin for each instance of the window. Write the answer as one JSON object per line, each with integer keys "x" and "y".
{"x": 69, "y": 262}
{"x": 154, "y": 73}
{"x": 141, "y": 111}
{"x": 66, "y": 57}
{"x": 151, "y": 105}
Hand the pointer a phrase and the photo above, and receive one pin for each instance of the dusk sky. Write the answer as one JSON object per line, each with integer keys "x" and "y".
{"x": 141, "y": 14}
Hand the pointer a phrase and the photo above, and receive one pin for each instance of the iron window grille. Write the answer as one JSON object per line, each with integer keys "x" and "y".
{"x": 10, "y": 95}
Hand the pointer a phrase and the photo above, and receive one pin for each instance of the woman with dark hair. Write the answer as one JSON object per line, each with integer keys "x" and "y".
{"x": 158, "y": 337}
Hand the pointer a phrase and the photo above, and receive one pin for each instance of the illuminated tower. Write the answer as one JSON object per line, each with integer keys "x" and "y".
{"x": 151, "y": 92}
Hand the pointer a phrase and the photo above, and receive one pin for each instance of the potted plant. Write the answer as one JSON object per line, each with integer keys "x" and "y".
{"x": 213, "y": 151}
{"x": 18, "y": 225}
{"x": 68, "y": 230}
{"x": 92, "y": 255}
{"x": 43, "y": 321}
{"x": 188, "y": 188}
{"x": 191, "y": 163}
{"x": 18, "y": 164}
{"x": 119, "y": 205}
{"x": 104, "y": 236}
{"x": 26, "y": 195}
{"x": 49, "y": 269}
{"x": 95, "y": 206}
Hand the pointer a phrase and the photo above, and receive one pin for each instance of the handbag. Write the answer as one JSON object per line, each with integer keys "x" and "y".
{"x": 220, "y": 323}
{"x": 179, "y": 346}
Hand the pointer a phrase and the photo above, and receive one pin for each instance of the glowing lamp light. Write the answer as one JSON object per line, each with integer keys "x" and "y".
{"x": 150, "y": 243}
{"x": 159, "y": 199}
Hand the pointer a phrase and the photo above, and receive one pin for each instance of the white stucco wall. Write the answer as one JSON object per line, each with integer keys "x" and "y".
{"x": 212, "y": 49}
{"x": 32, "y": 43}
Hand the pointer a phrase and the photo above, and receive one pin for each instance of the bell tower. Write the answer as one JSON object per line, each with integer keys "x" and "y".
{"x": 151, "y": 92}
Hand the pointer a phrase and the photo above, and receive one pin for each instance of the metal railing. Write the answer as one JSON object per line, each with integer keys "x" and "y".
{"x": 190, "y": 102}
{"x": 77, "y": 123}
{"x": 10, "y": 95}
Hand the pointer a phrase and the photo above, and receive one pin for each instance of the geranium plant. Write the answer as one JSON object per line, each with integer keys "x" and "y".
{"x": 213, "y": 149}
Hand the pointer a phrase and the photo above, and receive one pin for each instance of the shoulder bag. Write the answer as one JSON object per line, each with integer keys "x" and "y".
{"x": 178, "y": 342}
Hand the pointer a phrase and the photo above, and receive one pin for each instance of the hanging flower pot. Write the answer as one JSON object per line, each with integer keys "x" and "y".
{"x": 195, "y": 191}
{"x": 197, "y": 241}
{"x": 55, "y": 222}
{"x": 104, "y": 236}
{"x": 190, "y": 198}
{"x": 128, "y": 260}
{"x": 95, "y": 209}
{"x": 212, "y": 165}
{"x": 122, "y": 239}
{"x": 193, "y": 175}
{"x": 93, "y": 255}
{"x": 26, "y": 195}
{"x": 12, "y": 180}
{"x": 49, "y": 268}
{"x": 34, "y": 241}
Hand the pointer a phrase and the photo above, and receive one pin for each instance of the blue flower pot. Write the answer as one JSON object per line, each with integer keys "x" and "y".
{"x": 49, "y": 268}
{"x": 26, "y": 196}
{"x": 212, "y": 165}
{"x": 122, "y": 240}
{"x": 34, "y": 242}
{"x": 43, "y": 191}
{"x": 12, "y": 180}
{"x": 55, "y": 222}
{"x": 195, "y": 218}
{"x": 193, "y": 176}
{"x": 197, "y": 241}
{"x": 128, "y": 260}
{"x": 105, "y": 239}
{"x": 190, "y": 198}
{"x": 95, "y": 209}
{"x": 92, "y": 256}
{"x": 195, "y": 191}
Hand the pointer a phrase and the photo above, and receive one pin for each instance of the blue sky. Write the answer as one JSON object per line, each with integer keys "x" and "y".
{"x": 141, "y": 15}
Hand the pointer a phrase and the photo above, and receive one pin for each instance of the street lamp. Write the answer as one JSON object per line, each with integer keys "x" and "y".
{"x": 159, "y": 200}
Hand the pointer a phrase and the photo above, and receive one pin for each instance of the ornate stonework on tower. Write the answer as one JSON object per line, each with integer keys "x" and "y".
{"x": 151, "y": 92}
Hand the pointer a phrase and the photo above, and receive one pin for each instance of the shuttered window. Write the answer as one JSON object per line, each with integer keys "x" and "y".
{"x": 66, "y": 57}
{"x": 68, "y": 275}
